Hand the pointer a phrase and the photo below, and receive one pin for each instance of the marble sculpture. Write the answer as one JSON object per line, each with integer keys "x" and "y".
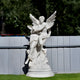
{"x": 40, "y": 31}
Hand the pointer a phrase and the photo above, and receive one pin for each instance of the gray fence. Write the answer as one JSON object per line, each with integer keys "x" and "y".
{"x": 61, "y": 60}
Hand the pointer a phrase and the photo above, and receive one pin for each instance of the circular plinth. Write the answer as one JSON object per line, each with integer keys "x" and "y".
{"x": 40, "y": 74}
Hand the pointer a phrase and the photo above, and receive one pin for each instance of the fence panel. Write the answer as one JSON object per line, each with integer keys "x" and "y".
{"x": 75, "y": 54}
{"x": 54, "y": 55}
{"x": 60, "y": 55}
{"x": 24, "y": 41}
{"x": 14, "y": 56}
{"x": 61, "y": 60}
{"x": 4, "y": 56}
{"x": 67, "y": 67}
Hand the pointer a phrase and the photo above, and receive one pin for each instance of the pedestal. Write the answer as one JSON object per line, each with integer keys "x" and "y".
{"x": 40, "y": 73}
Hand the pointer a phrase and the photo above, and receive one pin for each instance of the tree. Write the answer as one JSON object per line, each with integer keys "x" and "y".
{"x": 16, "y": 15}
{"x": 41, "y": 6}
{"x": 67, "y": 20}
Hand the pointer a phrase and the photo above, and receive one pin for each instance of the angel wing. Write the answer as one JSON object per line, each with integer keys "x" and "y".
{"x": 50, "y": 20}
{"x": 34, "y": 20}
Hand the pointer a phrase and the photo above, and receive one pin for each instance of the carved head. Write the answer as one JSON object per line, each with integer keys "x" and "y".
{"x": 41, "y": 19}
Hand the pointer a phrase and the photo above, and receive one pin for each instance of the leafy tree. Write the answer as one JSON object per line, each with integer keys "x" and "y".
{"x": 41, "y": 6}
{"x": 16, "y": 15}
{"x": 67, "y": 20}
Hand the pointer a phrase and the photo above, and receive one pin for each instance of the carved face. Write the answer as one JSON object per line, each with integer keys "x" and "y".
{"x": 41, "y": 19}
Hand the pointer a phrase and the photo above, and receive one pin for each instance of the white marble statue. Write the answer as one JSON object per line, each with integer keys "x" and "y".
{"x": 40, "y": 31}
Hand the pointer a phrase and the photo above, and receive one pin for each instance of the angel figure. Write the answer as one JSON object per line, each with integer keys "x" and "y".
{"x": 40, "y": 31}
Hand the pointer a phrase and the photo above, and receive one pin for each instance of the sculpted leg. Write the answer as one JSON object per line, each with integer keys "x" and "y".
{"x": 31, "y": 51}
{"x": 41, "y": 42}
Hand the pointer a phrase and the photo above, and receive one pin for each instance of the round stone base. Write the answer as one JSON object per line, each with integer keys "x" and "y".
{"x": 40, "y": 74}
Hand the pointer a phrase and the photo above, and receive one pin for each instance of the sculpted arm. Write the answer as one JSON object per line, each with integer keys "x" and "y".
{"x": 39, "y": 28}
{"x": 49, "y": 33}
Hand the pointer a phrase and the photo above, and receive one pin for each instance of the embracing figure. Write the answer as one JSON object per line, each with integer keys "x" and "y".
{"x": 40, "y": 31}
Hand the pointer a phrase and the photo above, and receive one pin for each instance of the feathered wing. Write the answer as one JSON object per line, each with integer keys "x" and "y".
{"x": 34, "y": 20}
{"x": 50, "y": 20}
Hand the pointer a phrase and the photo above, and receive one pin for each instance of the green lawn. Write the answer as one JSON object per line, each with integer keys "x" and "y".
{"x": 56, "y": 77}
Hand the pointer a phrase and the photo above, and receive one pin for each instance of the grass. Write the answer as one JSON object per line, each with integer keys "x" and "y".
{"x": 56, "y": 77}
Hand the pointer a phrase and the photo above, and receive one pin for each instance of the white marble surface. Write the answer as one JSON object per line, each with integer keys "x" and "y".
{"x": 40, "y": 31}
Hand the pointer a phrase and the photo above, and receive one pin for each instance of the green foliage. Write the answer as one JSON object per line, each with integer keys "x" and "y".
{"x": 68, "y": 16}
{"x": 16, "y": 15}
